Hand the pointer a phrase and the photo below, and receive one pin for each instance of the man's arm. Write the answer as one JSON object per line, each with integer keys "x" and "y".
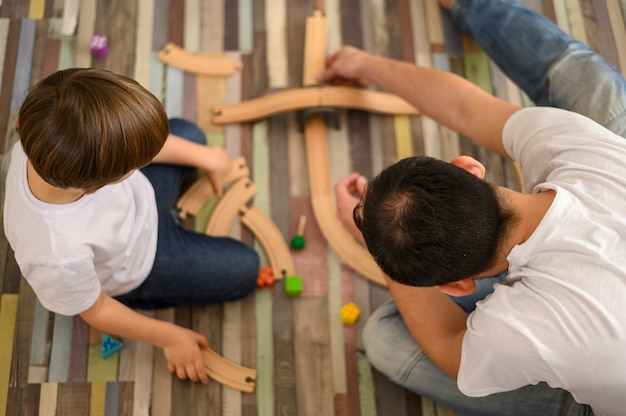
{"x": 443, "y": 96}
{"x": 436, "y": 323}
{"x": 181, "y": 346}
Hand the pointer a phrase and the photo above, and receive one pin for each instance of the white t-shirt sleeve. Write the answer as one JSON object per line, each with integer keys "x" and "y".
{"x": 533, "y": 136}
{"x": 496, "y": 356}
{"x": 75, "y": 287}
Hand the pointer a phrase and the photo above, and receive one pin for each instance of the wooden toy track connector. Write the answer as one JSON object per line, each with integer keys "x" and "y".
{"x": 226, "y": 372}
{"x": 312, "y": 97}
{"x": 198, "y": 63}
{"x": 233, "y": 203}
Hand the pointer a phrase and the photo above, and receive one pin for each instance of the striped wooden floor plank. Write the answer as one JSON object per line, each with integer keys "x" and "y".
{"x": 267, "y": 331}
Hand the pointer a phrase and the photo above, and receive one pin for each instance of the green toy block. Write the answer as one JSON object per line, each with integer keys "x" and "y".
{"x": 293, "y": 285}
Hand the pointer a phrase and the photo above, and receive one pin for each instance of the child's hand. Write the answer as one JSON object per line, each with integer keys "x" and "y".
{"x": 218, "y": 165}
{"x": 183, "y": 355}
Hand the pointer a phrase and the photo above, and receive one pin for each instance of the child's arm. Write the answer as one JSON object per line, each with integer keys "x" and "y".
{"x": 181, "y": 346}
{"x": 213, "y": 159}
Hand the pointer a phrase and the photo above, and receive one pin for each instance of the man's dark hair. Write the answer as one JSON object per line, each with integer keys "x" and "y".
{"x": 87, "y": 128}
{"x": 428, "y": 222}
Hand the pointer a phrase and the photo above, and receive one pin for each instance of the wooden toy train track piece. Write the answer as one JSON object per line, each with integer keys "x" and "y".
{"x": 312, "y": 97}
{"x": 353, "y": 253}
{"x": 227, "y": 209}
{"x": 226, "y": 372}
{"x": 197, "y": 194}
{"x": 271, "y": 239}
{"x": 233, "y": 203}
{"x": 198, "y": 63}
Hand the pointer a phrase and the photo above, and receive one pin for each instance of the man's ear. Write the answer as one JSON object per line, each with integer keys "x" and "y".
{"x": 470, "y": 164}
{"x": 462, "y": 287}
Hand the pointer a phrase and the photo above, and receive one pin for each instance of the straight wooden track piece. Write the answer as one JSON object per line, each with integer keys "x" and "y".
{"x": 354, "y": 254}
{"x": 197, "y": 194}
{"x": 198, "y": 63}
{"x": 226, "y": 372}
{"x": 311, "y": 97}
{"x": 271, "y": 239}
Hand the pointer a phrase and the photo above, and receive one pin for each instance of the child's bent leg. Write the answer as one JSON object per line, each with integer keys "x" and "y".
{"x": 193, "y": 269}
{"x": 544, "y": 61}
{"x": 167, "y": 179}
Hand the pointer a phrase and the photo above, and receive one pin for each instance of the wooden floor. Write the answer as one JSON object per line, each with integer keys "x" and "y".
{"x": 308, "y": 362}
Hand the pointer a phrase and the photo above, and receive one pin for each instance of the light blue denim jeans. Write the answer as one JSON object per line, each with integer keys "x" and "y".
{"x": 553, "y": 70}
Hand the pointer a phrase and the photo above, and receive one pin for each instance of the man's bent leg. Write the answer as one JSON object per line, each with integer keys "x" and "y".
{"x": 544, "y": 61}
{"x": 391, "y": 349}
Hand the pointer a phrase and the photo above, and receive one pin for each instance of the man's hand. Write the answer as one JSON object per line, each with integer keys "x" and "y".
{"x": 183, "y": 355}
{"x": 348, "y": 192}
{"x": 347, "y": 67}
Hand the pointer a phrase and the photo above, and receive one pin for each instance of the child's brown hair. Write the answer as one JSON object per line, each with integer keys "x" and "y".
{"x": 86, "y": 128}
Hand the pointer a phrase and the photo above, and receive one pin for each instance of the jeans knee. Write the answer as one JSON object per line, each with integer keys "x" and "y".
{"x": 187, "y": 130}
{"x": 244, "y": 278}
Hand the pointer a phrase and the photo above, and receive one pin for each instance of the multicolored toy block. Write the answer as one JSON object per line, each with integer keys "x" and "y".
{"x": 266, "y": 277}
{"x": 350, "y": 313}
{"x": 110, "y": 346}
{"x": 293, "y": 285}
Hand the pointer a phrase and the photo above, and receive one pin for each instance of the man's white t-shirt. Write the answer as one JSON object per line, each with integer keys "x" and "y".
{"x": 68, "y": 253}
{"x": 560, "y": 317}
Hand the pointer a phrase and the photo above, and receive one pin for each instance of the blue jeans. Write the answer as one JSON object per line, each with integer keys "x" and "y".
{"x": 553, "y": 70}
{"x": 190, "y": 268}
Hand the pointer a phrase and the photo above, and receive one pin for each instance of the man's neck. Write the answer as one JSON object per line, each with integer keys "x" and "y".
{"x": 530, "y": 209}
{"x": 45, "y": 192}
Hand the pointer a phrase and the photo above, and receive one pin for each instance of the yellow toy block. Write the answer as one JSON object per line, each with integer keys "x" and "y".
{"x": 350, "y": 313}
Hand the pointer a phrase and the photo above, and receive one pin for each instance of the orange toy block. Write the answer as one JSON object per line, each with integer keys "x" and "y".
{"x": 266, "y": 277}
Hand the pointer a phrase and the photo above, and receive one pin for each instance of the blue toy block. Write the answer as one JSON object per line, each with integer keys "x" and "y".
{"x": 110, "y": 346}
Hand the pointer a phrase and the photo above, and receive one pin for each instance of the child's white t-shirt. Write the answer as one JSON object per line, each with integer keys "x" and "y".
{"x": 68, "y": 253}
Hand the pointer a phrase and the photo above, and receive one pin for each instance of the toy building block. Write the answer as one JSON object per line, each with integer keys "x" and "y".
{"x": 350, "y": 313}
{"x": 99, "y": 46}
{"x": 298, "y": 242}
{"x": 266, "y": 277}
{"x": 293, "y": 285}
{"x": 110, "y": 346}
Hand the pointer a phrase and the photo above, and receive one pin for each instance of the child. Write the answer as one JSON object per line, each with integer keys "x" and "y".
{"x": 88, "y": 212}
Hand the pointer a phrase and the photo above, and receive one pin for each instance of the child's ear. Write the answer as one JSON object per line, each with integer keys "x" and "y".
{"x": 470, "y": 164}
{"x": 462, "y": 287}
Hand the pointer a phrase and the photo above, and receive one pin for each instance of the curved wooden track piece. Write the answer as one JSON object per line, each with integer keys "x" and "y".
{"x": 233, "y": 203}
{"x": 271, "y": 239}
{"x": 353, "y": 253}
{"x": 227, "y": 209}
{"x": 194, "y": 198}
{"x": 198, "y": 63}
{"x": 311, "y": 97}
{"x": 226, "y": 372}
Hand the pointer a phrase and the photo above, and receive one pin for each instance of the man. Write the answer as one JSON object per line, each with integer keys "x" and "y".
{"x": 551, "y": 339}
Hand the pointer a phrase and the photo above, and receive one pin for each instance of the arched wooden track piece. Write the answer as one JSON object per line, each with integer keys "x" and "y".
{"x": 226, "y": 372}
{"x": 198, "y": 63}
{"x": 227, "y": 209}
{"x": 311, "y": 97}
{"x": 271, "y": 239}
{"x": 354, "y": 254}
{"x": 194, "y": 198}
